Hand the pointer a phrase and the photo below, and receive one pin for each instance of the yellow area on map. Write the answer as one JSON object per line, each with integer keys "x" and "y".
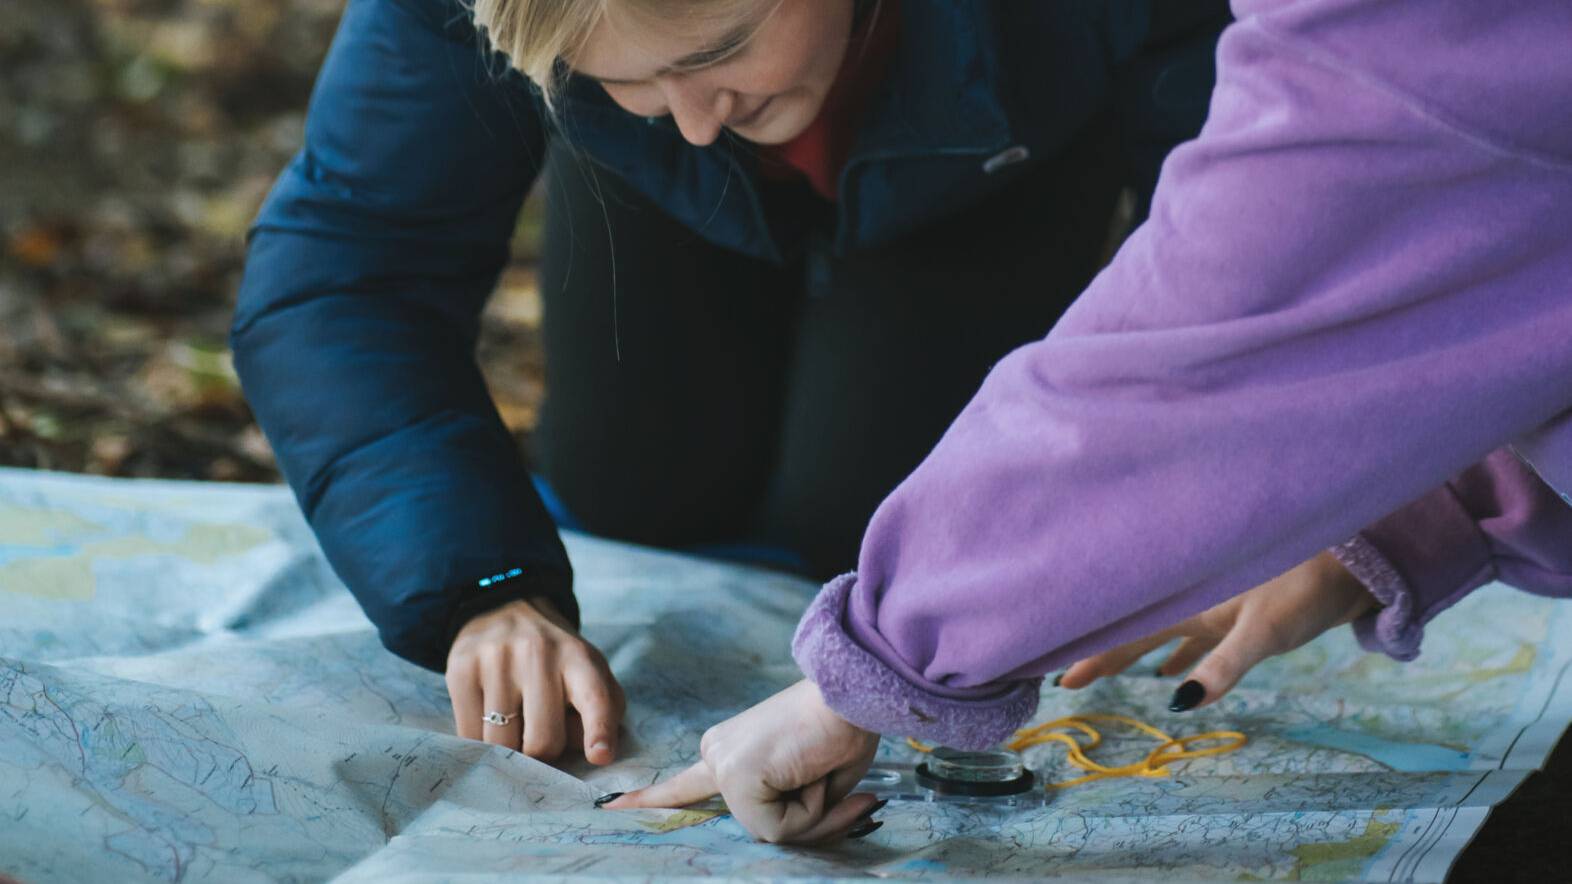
{"x": 36, "y": 527}
{"x": 67, "y": 575}
{"x": 203, "y": 543}
{"x": 1340, "y": 860}
{"x": 681, "y": 820}
{"x": 59, "y": 577}
{"x": 1522, "y": 661}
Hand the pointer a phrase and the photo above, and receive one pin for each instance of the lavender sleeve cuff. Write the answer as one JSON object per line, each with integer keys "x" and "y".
{"x": 865, "y": 691}
{"x": 1392, "y": 628}
{"x": 1416, "y": 562}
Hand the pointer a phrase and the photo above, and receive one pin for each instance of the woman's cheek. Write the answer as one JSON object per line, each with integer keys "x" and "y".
{"x": 767, "y": 75}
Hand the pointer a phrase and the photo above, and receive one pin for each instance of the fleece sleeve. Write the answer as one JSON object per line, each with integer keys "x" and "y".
{"x": 1352, "y": 286}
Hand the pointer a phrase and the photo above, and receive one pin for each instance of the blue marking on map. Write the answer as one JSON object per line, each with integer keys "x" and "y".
{"x": 1397, "y": 755}
{"x": 12, "y": 553}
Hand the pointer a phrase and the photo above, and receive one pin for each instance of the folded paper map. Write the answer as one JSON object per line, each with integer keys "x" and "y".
{"x": 187, "y": 693}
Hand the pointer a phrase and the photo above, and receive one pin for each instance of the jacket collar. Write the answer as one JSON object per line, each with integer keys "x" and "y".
{"x": 941, "y": 93}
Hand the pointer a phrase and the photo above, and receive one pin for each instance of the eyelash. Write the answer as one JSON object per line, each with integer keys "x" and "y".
{"x": 720, "y": 54}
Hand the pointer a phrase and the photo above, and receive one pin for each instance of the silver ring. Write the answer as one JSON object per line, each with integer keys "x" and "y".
{"x": 498, "y": 718}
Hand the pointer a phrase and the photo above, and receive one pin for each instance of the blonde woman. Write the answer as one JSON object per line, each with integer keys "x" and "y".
{"x": 787, "y": 240}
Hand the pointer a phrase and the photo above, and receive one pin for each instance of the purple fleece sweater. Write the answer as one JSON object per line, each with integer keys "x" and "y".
{"x": 1354, "y": 286}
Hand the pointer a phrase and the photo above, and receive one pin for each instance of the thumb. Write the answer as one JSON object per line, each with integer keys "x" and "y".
{"x": 1217, "y": 673}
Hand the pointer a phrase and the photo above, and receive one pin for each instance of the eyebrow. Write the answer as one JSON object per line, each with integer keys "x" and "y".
{"x": 726, "y": 45}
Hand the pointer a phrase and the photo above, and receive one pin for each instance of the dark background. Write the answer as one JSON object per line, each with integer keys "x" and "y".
{"x": 137, "y": 140}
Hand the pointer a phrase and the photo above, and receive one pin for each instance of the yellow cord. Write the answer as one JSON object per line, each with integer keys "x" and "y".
{"x": 1155, "y": 764}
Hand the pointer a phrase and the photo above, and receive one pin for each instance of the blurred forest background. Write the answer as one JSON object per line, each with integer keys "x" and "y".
{"x": 137, "y": 141}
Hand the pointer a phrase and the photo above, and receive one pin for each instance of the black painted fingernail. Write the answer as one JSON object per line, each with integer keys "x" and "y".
{"x": 1058, "y": 678}
{"x": 1188, "y": 694}
{"x": 607, "y": 798}
{"x": 873, "y": 808}
{"x": 866, "y": 829}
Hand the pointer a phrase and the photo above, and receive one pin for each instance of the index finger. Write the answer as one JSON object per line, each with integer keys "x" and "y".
{"x": 592, "y": 690}
{"x": 1112, "y": 661}
{"x": 692, "y": 785}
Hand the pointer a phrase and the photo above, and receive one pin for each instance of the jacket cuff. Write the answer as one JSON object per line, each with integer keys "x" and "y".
{"x": 495, "y": 590}
{"x": 871, "y": 695}
{"x": 1415, "y": 562}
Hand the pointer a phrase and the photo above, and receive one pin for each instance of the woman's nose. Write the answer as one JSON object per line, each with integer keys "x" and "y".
{"x": 698, "y": 110}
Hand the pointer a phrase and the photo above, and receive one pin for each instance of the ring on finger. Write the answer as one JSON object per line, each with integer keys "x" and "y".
{"x": 499, "y": 719}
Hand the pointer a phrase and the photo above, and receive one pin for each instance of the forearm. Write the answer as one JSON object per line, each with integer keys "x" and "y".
{"x": 357, "y": 316}
{"x": 415, "y": 490}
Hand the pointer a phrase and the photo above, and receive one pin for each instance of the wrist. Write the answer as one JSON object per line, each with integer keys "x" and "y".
{"x": 535, "y": 609}
{"x": 1355, "y": 599}
{"x": 543, "y": 606}
{"x": 488, "y": 594}
{"x": 823, "y": 711}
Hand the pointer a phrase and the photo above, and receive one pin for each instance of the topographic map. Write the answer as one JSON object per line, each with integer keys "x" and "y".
{"x": 187, "y": 693}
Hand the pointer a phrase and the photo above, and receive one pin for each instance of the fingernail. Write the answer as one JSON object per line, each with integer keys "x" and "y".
{"x": 600, "y": 746}
{"x": 1058, "y": 678}
{"x": 607, "y": 798}
{"x": 1188, "y": 694}
{"x": 865, "y": 829}
{"x": 873, "y": 808}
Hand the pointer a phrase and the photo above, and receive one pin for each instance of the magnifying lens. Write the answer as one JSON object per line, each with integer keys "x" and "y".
{"x": 977, "y": 774}
{"x": 996, "y": 776}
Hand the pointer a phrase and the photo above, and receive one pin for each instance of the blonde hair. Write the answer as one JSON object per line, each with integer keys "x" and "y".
{"x": 538, "y": 35}
{"x": 535, "y": 34}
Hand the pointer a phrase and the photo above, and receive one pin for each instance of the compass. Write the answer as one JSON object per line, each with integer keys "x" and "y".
{"x": 976, "y": 774}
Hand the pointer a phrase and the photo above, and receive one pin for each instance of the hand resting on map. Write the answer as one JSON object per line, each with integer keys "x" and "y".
{"x": 525, "y": 660}
{"x": 1231, "y": 638}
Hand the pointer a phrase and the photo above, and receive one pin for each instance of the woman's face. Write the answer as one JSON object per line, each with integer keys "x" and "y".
{"x": 776, "y": 62}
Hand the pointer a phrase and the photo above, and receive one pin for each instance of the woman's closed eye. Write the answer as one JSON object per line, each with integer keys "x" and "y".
{"x": 734, "y": 45}
{"x": 732, "y": 48}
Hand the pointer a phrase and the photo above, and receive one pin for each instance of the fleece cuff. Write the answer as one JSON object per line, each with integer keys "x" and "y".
{"x": 866, "y": 692}
{"x": 1392, "y": 629}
